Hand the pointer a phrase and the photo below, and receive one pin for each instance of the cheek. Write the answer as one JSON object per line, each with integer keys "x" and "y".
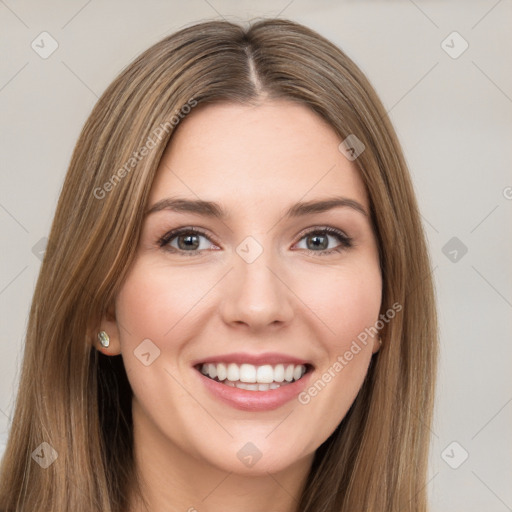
{"x": 348, "y": 305}
{"x": 358, "y": 304}
{"x": 345, "y": 301}
{"x": 152, "y": 306}
{"x": 154, "y": 301}
{"x": 139, "y": 311}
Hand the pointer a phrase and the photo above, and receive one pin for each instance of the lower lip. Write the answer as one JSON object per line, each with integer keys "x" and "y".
{"x": 247, "y": 400}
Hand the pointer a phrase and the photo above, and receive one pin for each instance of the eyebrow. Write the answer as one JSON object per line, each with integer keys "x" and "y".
{"x": 215, "y": 210}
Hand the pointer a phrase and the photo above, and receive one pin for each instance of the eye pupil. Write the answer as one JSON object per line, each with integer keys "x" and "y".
{"x": 321, "y": 245}
{"x": 188, "y": 244}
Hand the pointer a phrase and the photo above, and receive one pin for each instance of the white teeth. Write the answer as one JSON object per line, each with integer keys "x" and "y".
{"x": 297, "y": 373}
{"x": 279, "y": 373}
{"x": 247, "y": 373}
{"x": 288, "y": 373}
{"x": 212, "y": 370}
{"x": 221, "y": 371}
{"x": 248, "y": 376}
{"x": 265, "y": 374}
{"x": 250, "y": 387}
{"x": 254, "y": 387}
{"x": 233, "y": 373}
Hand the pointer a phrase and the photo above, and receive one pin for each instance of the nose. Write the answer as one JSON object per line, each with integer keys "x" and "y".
{"x": 257, "y": 294}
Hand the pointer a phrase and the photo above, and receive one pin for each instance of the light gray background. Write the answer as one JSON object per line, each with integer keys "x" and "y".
{"x": 453, "y": 117}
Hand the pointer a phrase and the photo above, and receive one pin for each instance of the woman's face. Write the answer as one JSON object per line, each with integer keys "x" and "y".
{"x": 253, "y": 292}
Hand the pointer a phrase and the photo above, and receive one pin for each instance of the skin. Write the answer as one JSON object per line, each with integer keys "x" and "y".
{"x": 256, "y": 161}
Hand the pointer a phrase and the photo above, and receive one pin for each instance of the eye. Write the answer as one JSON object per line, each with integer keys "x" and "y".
{"x": 188, "y": 240}
{"x": 320, "y": 240}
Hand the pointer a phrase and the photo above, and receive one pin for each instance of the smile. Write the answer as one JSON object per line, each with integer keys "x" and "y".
{"x": 251, "y": 377}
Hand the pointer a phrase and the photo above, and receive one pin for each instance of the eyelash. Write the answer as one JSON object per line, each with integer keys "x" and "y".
{"x": 346, "y": 242}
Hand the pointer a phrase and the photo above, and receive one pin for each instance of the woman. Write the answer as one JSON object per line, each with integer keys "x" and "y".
{"x": 235, "y": 309}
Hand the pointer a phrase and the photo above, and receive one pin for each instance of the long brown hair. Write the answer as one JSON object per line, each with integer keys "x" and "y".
{"x": 79, "y": 401}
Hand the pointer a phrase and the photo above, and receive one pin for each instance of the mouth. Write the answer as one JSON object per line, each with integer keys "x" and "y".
{"x": 251, "y": 377}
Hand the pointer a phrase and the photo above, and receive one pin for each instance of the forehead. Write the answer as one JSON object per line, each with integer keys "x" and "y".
{"x": 275, "y": 152}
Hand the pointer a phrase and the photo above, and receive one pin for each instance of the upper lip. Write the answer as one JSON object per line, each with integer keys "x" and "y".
{"x": 271, "y": 358}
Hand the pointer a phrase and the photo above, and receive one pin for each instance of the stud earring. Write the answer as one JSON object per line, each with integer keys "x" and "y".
{"x": 104, "y": 339}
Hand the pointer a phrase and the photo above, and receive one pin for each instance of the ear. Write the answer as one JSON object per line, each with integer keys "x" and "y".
{"x": 109, "y": 325}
